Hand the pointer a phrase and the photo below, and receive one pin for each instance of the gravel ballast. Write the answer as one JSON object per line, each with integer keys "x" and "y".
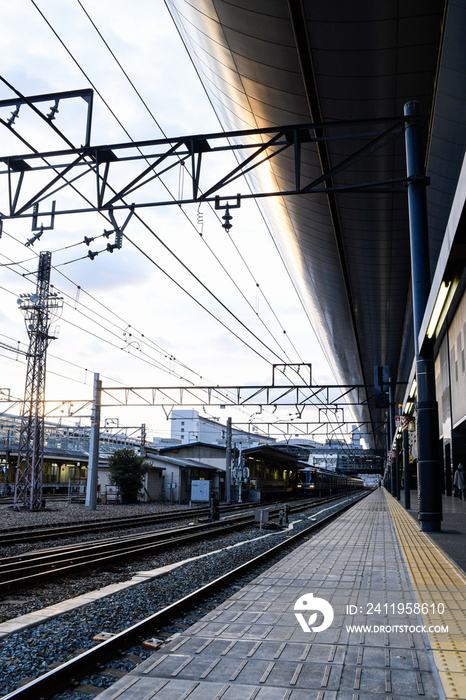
{"x": 32, "y": 652}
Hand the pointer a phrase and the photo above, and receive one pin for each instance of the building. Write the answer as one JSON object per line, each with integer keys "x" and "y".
{"x": 168, "y": 479}
{"x": 189, "y": 426}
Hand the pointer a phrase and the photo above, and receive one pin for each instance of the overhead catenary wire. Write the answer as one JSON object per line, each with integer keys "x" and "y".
{"x": 162, "y": 131}
{"x": 157, "y": 123}
{"x": 157, "y": 365}
{"x": 261, "y": 290}
{"x": 145, "y": 224}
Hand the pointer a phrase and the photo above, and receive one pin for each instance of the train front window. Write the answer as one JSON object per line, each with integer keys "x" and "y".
{"x": 306, "y": 476}
{"x": 302, "y": 477}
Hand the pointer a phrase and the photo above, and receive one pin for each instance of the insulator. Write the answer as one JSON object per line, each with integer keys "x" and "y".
{"x": 53, "y": 111}
{"x": 35, "y": 238}
{"x": 227, "y": 218}
{"x": 92, "y": 255}
{"x": 14, "y": 114}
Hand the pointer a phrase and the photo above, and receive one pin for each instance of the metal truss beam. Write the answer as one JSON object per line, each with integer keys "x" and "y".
{"x": 326, "y": 397}
{"x": 297, "y": 429}
{"x": 329, "y": 396}
{"x": 137, "y": 166}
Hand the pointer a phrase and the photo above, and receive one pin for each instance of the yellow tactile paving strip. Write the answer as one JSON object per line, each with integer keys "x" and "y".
{"x": 436, "y": 580}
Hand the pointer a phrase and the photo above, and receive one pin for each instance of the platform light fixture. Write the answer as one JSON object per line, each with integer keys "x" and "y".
{"x": 438, "y": 308}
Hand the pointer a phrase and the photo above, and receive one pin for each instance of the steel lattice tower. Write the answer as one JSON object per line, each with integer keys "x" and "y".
{"x": 38, "y": 309}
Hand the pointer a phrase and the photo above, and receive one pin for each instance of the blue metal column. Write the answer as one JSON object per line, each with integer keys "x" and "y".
{"x": 428, "y": 470}
{"x": 397, "y": 467}
{"x": 391, "y": 423}
{"x": 406, "y": 466}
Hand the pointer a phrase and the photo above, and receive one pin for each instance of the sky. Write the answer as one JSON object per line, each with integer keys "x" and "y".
{"x": 174, "y": 305}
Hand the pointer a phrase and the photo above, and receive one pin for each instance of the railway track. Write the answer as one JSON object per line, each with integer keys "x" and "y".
{"x": 68, "y": 673}
{"x": 29, "y": 535}
{"x": 29, "y": 569}
{"x": 39, "y": 532}
{"x": 26, "y": 569}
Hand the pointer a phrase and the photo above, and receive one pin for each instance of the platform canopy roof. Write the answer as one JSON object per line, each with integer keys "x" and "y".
{"x": 276, "y": 62}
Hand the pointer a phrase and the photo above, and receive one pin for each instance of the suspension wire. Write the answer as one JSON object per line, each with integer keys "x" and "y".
{"x": 154, "y": 363}
{"x": 257, "y": 204}
{"x": 157, "y": 123}
{"x": 40, "y": 12}
{"x": 137, "y": 215}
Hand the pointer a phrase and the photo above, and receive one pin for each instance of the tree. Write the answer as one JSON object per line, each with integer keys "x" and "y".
{"x": 127, "y": 471}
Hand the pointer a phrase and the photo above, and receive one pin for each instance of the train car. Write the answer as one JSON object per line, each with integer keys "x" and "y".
{"x": 268, "y": 473}
{"x": 312, "y": 481}
{"x": 271, "y": 474}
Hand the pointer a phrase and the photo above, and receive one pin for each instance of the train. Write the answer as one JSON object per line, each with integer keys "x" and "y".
{"x": 269, "y": 473}
{"x": 312, "y": 481}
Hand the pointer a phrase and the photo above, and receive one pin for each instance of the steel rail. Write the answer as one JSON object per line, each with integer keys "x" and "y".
{"x": 33, "y": 567}
{"x": 38, "y": 566}
{"x": 36, "y": 533}
{"x": 60, "y": 678}
{"x": 25, "y": 573}
{"x": 30, "y": 535}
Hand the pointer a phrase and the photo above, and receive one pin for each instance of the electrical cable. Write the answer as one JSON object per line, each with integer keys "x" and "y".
{"x": 129, "y": 136}
{"x": 182, "y": 39}
{"x": 61, "y": 359}
{"x": 146, "y": 224}
{"x": 225, "y": 395}
{"x": 162, "y": 242}
{"x": 103, "y": 340}
{"x": 155, "y": 363}
{"x": 143, "y": 339}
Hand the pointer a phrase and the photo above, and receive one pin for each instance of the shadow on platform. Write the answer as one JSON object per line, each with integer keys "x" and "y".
{"x": 452, "y": 538}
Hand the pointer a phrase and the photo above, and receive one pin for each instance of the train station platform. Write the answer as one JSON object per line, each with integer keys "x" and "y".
{"x": 452, "y": 537}
{"x": 369, "y": 607}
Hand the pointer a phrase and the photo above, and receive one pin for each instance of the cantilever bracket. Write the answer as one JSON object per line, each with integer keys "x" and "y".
{"x": 35, "y": 224}
{"x": 118, "y": 230}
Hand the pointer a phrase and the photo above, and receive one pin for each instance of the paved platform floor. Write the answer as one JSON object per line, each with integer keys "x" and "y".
{"x": 370, "y": 566}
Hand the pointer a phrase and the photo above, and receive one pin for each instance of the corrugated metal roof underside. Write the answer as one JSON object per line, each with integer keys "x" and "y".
{"x": 350, "y": 262}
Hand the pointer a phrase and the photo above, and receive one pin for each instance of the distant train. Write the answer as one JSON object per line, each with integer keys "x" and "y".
{"x": 269, "y": 473}
{"x": 321, "y": 482}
